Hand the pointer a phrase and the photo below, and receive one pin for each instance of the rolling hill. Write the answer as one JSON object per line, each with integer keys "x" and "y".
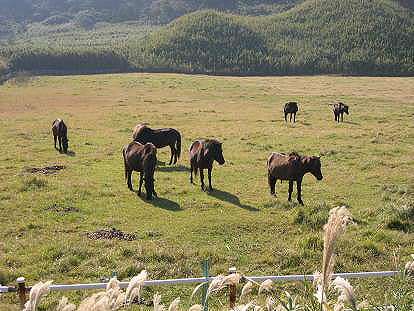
{"x": 322, "y": 36}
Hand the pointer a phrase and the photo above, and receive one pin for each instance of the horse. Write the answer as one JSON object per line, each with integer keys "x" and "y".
{"x": 292, "y": 167}
{"x": 143, "y": 159}
{"x": 60, "y": 132}
{"x": 291, "y": 108}
{"x": 202, "y": 155}
{"x": 339, "y": 109}
{"x": 160, "y": 138}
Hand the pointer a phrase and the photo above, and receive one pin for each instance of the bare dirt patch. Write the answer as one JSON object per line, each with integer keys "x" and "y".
{"x": 111, "y": 234}
{"x": 47, "y": 170}
{"x": 61, "y": 209}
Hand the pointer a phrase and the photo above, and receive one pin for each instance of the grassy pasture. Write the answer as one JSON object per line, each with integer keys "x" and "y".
{"x": 367, "y": 163}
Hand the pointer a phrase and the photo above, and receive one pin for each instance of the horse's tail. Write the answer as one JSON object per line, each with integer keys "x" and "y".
{"x": 125, "y": 163}
{"x": 178, "y": 144}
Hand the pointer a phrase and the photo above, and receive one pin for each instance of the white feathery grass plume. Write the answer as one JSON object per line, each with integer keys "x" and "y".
{"x": 270, "y": 303}
{"x": 113, "y": 283}
{"x": 36, "y": 293}
{"x": 118, "y": 303}
{"x": 102, "y": 304}
{"x": 64, "y": 305}
{"x": 409, "y": 267}
{"x": 196, "y": 289}
{"x": 266, "y": 285}
{"x": 339, "y": 306}
{"x": 157, "y": 303}
{"x": 136, "y": 282}
{"x": 339, "y": 218}
{"x": 258, "y": 308}
{"x": 135, "y": 294}
{"x": 247, "y": 289}
{"x": 174, "y": 305}
{"x": 215, "y": 285}
{"x": 89, "y": 303}
{"x": 346, "y": 292}
{"x": 196, "y": 308}
{"x": 232, "y": 279}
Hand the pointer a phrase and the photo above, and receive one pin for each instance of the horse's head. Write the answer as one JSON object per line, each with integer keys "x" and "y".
{"x": 65, "y": 144}
{"x": 346, "y": 109}
{"x": 313, "y": 165}
{"x": 214, "y": 151}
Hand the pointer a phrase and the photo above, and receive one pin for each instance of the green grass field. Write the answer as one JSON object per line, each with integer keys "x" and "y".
{"x": 367, "y": 162}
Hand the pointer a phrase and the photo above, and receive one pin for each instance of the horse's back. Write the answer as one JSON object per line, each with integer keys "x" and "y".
{"x": 291, "y": 107}
{"x": 59, "y": 127}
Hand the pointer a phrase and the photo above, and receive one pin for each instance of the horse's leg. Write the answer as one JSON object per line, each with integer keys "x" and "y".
{"x": 290, "y": 190}
{"x": 55, "y": 139}
{"x": 141, "y": 180}
{"x": 342, "y": 117}
{"x": 60, "y": 143}
{"x": 172, "y": 154}
{"x": 299, "y": 187}
{"x": 175, "y": 155}
{"x": 129, "y": 182}
{"x": 290, "y": 120}
{"x": 209, "y": 178}
{"x": 191, "y": 172}
{"x": 294, "y": 117}
{"x": 272, "y": 183}
{"x": 286, "y": 116}
{"x": 202, "y": 179}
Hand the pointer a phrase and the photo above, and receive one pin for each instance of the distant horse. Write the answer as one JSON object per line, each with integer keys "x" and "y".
{"x": 291, "y": 167}
{"x": 160, "y": 138}
{"x": 291, "y": 108}
{"x": 60, "y": 132}
{"x": 339, "y": 109}
{"x": 142, "y": 159}
{"x": 202, "y": 155}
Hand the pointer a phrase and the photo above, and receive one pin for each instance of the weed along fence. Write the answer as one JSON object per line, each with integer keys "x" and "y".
{"x": 21, "y": 289}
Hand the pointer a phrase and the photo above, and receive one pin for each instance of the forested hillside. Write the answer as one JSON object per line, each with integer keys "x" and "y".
{"x": 317, "y": 36}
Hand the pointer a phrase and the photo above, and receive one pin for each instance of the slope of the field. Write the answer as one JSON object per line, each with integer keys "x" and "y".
{"x": 367, "y": 163}
{"x": 331, "y": 36}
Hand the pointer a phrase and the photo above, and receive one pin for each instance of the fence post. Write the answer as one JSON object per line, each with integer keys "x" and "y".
{"x": 21, "y": 289}
{"x": 206, "y": 274}
{"x": 232, "y": 290}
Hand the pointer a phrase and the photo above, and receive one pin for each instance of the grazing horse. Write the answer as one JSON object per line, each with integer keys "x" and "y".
{"x": 292, "y": 167}
{"x": 160, "y": 138}
{"x": 202, "y": 155}
{"x": 339, "y": 109}
{"x": 291, "y": 108}
{"x": 60, "y": 132}
{"x": 143, "y": 159}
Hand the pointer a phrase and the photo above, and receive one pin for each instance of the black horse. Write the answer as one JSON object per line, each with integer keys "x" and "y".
{"x": 339, "y": 109}
{"x": 291, "y": 108}
{"x": 160, "y": 138}
{"x": 60, "y": 132}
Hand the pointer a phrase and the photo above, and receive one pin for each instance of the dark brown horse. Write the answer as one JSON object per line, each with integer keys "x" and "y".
{"x": 292, "y": 167}
{"x": 339, "y": 109}
{"x": 291, "y": 108}
{"x": 142, "y": 159}
{"x": 160, "y": 138}
{"x": 60, "y": 132}
{"x": 202, "y": 155}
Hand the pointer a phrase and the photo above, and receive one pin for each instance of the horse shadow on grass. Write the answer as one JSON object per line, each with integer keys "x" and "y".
{"x": 71, "y": 153}
{"x": 231, "y": 198}
{"x": 176, "y": 168}
{"x": 161, "y": 202}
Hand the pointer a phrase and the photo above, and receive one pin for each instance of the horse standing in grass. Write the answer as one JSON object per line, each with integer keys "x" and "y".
{"x": 291, "y": 108}
{"x": 160, "y": 138}
{"x": 339, "y": 109}
{"x": 60, "y": 132}
{"x": 292, "y": 167}
{"x": 202, "y": 155}
{"x": 143, "y": 159}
